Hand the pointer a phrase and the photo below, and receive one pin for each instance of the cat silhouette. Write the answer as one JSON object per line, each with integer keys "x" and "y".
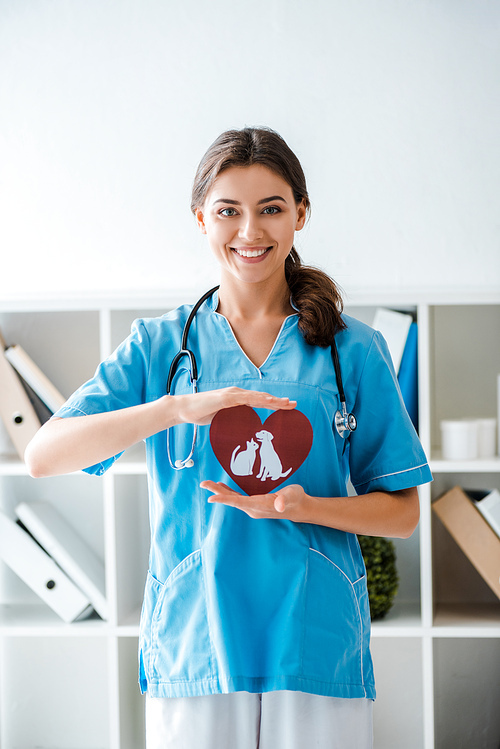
{"x": 242, "y": 462}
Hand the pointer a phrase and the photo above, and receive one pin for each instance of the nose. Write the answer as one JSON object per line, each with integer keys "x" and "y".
{"x": 250, "y": 229}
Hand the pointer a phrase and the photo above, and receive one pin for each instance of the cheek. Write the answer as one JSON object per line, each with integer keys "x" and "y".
{"x": 288, "y": 233}
{"x": 217, "y": 239}
{"x": 211, "y": 232}
{"x": 222, "y": 234}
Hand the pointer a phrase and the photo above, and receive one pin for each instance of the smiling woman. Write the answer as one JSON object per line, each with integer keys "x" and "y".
{"x": 255, "y": 625}
{"x": 315, "y": 294}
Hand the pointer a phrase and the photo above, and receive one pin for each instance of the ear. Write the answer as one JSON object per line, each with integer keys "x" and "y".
{"x": 301, "y": 216}
{"x": 200, "y": 220}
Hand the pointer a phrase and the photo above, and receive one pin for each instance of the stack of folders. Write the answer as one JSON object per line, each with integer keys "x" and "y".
{"x": 54, "y": 561}
{"x": 39, "y": 545}
{"x": 401, "y": 334}
{"x": 27, "y": 397}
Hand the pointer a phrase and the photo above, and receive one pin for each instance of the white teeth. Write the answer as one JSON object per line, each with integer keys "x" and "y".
{"x": 251, "y": 253}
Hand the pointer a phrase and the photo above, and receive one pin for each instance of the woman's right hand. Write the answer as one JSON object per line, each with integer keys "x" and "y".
{"x": 200, "y": 408}
{"x": 73, "y": 443}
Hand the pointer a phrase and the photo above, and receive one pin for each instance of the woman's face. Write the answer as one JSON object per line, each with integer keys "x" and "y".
{"x": 250, "y": 218}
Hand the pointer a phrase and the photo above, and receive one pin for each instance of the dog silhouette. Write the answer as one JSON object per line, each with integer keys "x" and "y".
{"x": 270, "y": 464}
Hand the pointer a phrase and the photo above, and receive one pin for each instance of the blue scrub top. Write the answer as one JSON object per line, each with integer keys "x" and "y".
{"x": 237, "y": 604}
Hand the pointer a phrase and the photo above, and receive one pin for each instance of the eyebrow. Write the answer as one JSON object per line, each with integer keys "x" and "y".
{"x": 259, "y": 202}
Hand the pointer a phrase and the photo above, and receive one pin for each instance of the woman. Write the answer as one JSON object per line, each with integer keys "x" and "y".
{"x": 255, "y": 623}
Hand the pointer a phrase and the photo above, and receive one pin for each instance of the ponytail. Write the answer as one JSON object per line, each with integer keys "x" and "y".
{"x": 318, "y": 300}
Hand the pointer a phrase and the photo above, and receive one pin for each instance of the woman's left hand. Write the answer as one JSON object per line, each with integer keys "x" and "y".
{"x": 287, "y": 503}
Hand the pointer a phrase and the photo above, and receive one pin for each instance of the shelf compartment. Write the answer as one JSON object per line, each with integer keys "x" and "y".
{"x": 398, "y": 709}
{"x": 457, "y": 585}
{"x": 54, "y": 693}
{"x": 463, "y": 364}
{"x": 406, "y": 610}
{"x": 79, "y": 500}
{"x": 466, "y": 689}
{"x": 132, "y": 543}
{"x": 64, "y": 346}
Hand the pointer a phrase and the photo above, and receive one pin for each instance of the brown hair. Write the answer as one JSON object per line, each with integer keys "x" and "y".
{"x": 313, "y": 292}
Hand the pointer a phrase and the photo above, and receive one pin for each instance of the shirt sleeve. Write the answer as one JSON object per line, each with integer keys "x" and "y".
{"x": 119, "y": 382}
{"x": 385, "y": 452}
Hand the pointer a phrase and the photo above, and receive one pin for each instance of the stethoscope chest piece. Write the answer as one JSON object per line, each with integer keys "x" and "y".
{"x": 345, "y": 422}
{"x": 179, "y": 464}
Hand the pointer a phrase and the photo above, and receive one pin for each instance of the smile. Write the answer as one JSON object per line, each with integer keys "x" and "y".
{"x": 257, "y": 252}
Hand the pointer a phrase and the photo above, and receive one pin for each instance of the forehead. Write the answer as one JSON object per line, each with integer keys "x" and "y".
{"x": 249, "y": 184}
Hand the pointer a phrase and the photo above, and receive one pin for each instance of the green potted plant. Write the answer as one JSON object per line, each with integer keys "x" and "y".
{"x": 382, "y": 579}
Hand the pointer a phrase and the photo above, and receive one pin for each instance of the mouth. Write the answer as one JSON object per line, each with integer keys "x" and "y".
{"x": 251, "y": 251}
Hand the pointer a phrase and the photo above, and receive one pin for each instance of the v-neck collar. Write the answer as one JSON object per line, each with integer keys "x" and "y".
{"x": 213, "y": 303}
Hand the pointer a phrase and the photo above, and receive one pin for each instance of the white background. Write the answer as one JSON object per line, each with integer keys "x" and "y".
{"x": 106, "y": 107}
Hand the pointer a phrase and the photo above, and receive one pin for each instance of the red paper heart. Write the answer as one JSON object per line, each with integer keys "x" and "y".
{"x": 260, "y": 456}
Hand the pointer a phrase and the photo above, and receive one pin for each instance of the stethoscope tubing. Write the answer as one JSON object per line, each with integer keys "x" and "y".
{"x": 344, "y": 422}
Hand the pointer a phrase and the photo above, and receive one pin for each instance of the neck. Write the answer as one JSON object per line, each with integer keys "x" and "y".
{"x": 250, "y": 301}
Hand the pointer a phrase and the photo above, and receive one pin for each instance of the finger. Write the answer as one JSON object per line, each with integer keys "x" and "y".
{"x": 216, "y": 487}
{"x": 273, "y": 401}
{"x": 231, "y": 500}
{"x": 243, "y": 501}
{"x": 222, "y": 499}
{"x": 256, "y": 398}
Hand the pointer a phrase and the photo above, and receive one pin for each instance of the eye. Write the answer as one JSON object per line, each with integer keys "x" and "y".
{"x": 271, "y": 210}
{"x": 228, "y": 212}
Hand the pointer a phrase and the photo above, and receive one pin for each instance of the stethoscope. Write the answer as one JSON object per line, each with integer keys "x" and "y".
{"x": 344, "y": 422}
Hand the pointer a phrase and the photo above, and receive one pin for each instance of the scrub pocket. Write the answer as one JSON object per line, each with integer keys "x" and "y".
{"x": 180, "y": 638}
{"x": 333, "y": 633}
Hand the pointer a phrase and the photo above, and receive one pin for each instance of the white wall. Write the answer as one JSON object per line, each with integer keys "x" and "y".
{"x": 106, "y": 107}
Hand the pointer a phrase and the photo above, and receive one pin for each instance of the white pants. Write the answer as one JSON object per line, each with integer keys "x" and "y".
{"x": 273, "y": 720}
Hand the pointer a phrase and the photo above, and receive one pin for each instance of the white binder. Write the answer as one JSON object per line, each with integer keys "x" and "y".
{"x": 68, "y": 549}
{"x": 18, "y": 414}
{"x": 33, "y": 375}
{"x": 34, "y": 566}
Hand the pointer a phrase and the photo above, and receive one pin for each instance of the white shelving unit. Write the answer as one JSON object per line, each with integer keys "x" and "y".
{"x": 437, "y": 654}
